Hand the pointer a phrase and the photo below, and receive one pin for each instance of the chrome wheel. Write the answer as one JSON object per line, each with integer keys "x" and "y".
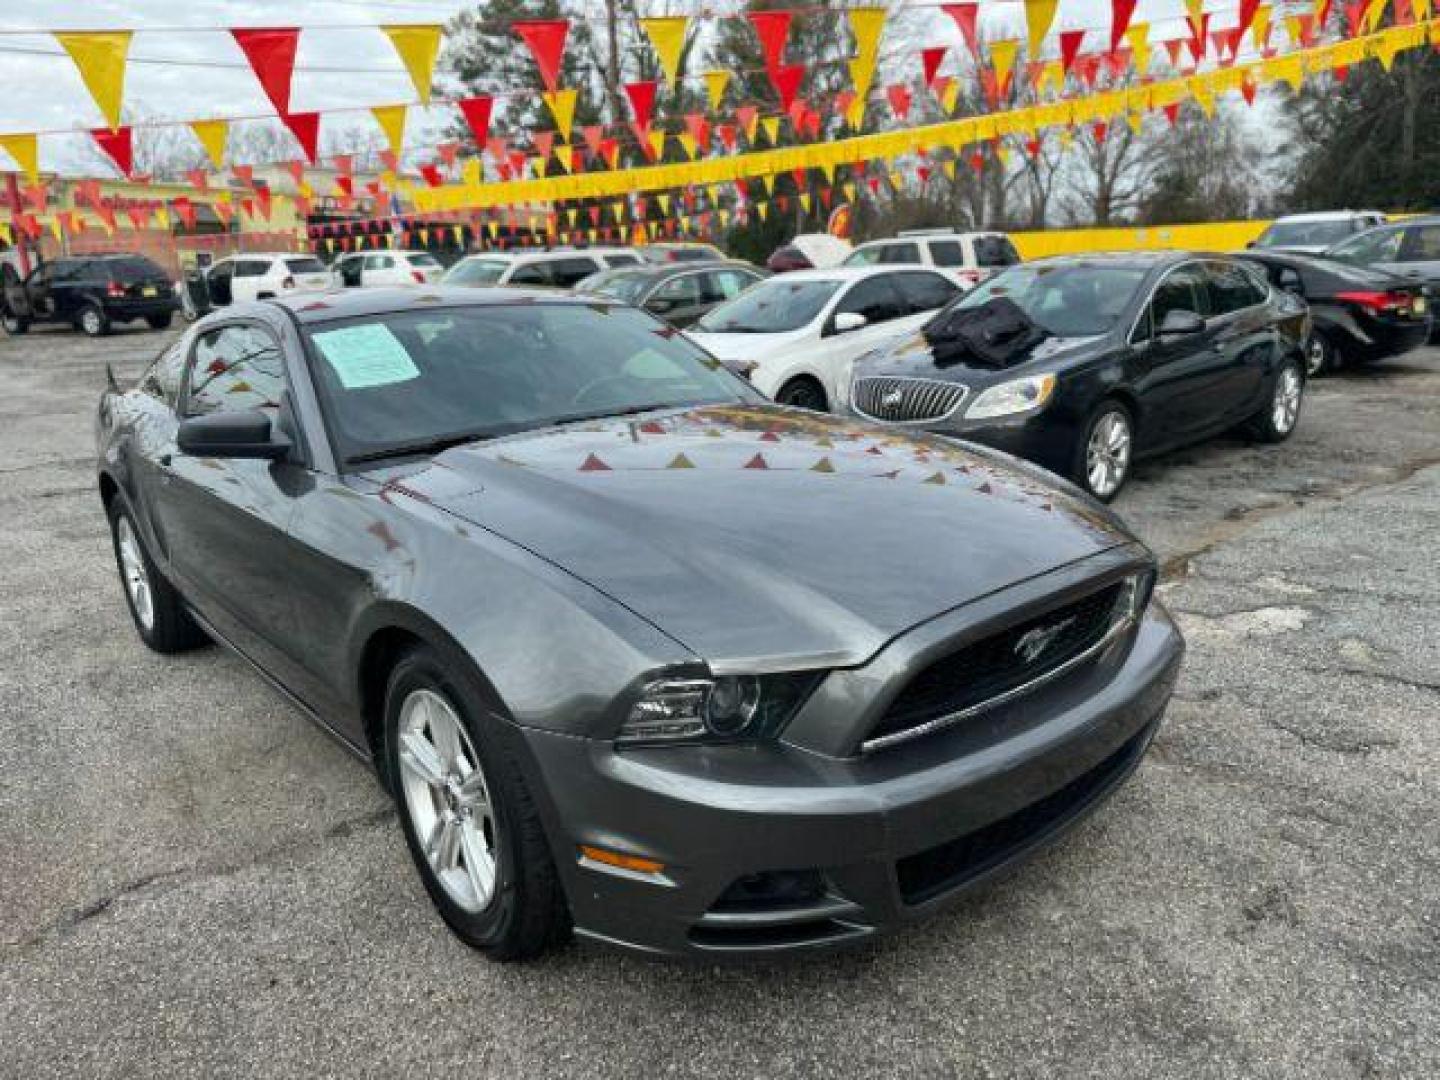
{"x": 1107, "y": 455}
{"x": 1285, "y": 408}
{"x": 1315, "y": 357}
{"x": 133, "y": 573}
{"x": 448, "y": 800}
{"x": 90, "y": 322}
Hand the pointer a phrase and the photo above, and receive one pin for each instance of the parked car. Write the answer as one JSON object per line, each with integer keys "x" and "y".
{"x": 1408, "y": 249}
{"x": 91, "y": 292}
{"x": 252, "y": 275}
{"x": 370, "y": 268}
{"x": 1358, "y": 316}
{"x": 678, "y": 293}
{"x": 808, "y": 251}
{"x": 1084, "y": 363}
{"x": 634, "y": 650}
{"x": 796, "y": 334}
{"x": 973, "y": 256}
{"x": 1315, "y": 232}
{"x": 561, "y": 268}
{"x": 686, "y": 251}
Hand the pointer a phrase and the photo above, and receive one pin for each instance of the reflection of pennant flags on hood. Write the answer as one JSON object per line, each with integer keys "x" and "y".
{"x": 100, "y": 57}
{"x": 546, "y": 38}
{"x": 272, "y": 57}
{"x": 667, "y": 35}
{"x": 25, "y": 149}
{"x": 417, "y": 46}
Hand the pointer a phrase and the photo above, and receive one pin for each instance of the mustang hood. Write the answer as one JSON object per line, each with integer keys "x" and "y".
{"x": 761, "y": 535}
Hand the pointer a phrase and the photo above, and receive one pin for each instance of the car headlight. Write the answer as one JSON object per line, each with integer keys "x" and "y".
{"x": 1016, "y": 396}
{"x": 1133, "y": 597}
{"x": 725, "y": 708}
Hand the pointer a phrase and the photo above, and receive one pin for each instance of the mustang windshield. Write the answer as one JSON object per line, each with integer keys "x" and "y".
{"x": 1068, "y": 300}
{"x": 403, "y": 382}
{"x": 772, "y": 307}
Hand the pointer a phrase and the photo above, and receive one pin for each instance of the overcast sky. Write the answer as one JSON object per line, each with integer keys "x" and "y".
{"x": 44, "y": 92}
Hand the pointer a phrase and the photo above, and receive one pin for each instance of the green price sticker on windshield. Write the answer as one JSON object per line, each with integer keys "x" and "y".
{"x": 364, "y": 357}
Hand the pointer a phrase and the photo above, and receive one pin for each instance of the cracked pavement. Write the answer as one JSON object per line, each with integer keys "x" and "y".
{"x": 195, "y": 881}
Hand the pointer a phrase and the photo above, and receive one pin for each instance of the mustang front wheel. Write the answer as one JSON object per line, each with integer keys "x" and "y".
{"x": 157, "y": 608}
{"x": 471, "y": 826}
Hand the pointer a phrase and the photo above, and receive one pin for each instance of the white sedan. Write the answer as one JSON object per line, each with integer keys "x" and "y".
{"x": 797, "y": 334}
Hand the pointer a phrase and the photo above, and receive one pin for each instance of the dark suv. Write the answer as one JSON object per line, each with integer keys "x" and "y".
{"x": 91, "y": 291}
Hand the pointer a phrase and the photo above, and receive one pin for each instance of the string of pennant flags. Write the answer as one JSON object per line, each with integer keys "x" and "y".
{"x": 1062, "y": 78}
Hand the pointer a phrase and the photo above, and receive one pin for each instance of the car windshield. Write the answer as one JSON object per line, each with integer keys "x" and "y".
{"x": 617, "y": 284}
{"x": 1069, "y": 300}
{"x": 476, "y": 272}
{"x": 423, "y": 258}
{"x": 409, "y": 382}
{"x": 305, "y": 265}
{"x": 1321, "y": 233}
{"x": 772, "y": 307}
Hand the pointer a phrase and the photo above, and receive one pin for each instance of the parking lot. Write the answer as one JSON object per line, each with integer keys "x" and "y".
{"x": 195, "y": 881}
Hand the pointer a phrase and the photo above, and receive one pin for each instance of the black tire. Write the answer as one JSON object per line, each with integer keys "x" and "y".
{"x": 160, "y": 322}
{"x": 93, "y": 320}
{"x": 1109, "y": 412}
{"x": 1322, "y": 356}
{"x": 1267, "y": 424}
{"x": 170, "y": 628}
{"x": 803, "y": 392}
{"x": 11, "y": 323}
{"x": 527, "y": 913}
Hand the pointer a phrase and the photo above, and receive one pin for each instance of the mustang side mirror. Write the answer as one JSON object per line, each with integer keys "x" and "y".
{"x": 245, "y": 434}
{"x": 849, "y": 320}
{"x": 1178, "y": 323}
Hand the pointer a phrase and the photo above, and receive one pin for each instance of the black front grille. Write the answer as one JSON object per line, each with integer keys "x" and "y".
{"x": 1000, "y": 663}
{"x": 936, "y": 870}
{"x": 893, "y": 399}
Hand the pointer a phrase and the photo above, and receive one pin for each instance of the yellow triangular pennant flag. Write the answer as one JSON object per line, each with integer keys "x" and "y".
{"x": 667, "y": 34}
{"x": 867, "y": 24}
{"x": 715, "y": 84}
{"x": 1421, "y": 9}
{"x": 771, "y": 124}
{"x": 1371, "y": 19}
{"x": 417, "y": 46}
{"x": 752, "y": 122}
{"x": 391, "y": 119}
{"x": 689, "y": 142}
{"x": 5, "y": 234}
{"x": 1002, "y": 57}
{"x": 805, "y": 201}
{"x": 1039, "y": 14}
{"x": 762, "y": 210}
{"x": 1136, "y": 122}
{"x": 562, "y": 108}
{"x": 25, "y": 149}
{"x": 100, "y": 56}
{"x": 212, "y": 135}
{"x": 1138, "y": 38}
{"x": 663, "y": 198}
{"x": 849, "y": 188}
{"x": 1259, "y": 28}
{"x": 657, "y": 142}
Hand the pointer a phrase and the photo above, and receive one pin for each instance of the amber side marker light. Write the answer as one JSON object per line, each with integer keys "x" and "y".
{"x": 636, "y": 863}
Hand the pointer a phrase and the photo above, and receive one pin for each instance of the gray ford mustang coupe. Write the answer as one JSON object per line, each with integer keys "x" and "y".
{"x": 635, "y": 651}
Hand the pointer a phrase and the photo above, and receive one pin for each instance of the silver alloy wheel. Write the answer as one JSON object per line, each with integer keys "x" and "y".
{"x": 1315, "y": 357}
{"x": 1107, "y": 457}
{"x": 1285, "y": 409}
{"x": 90, "y": 321}
{"x": 448, "y": 800}
{"x": 134, "y": 574}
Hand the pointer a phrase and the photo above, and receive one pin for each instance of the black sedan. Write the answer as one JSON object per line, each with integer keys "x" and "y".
{"x": 1359, "y": 316}
{"x": 636, "y": 651}
{"x": 680, "y": 293}
{"x": 1084, "y": 363}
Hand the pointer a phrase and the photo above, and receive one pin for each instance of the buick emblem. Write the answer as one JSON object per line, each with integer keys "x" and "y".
{"x": 892, "y": 398}
{"x": 1034, "y": 642}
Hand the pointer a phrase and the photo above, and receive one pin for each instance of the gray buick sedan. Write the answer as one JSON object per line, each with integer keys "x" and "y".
{"x": 638, "y": 653}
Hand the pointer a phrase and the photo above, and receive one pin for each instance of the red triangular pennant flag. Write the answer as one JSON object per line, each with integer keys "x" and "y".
{"x": 476, "y": 111}
{"x": 930, "y": 61}
{"x": 594, "y": 464}
{"x": 1070, "y": 42}
{"x": 117, "y": 146}
{"x": 642, "y": 101}
{"x": 899, "y": 98}
{"x": 271, "y": 53}
{"x": 1120, "y": 12}
{"x": 965, "y": 16}
{"x": 771, "y": 27}
{"x": 787, "y": 83}
{"x": 305, "y": 127}
{"x": 546, "y": 38}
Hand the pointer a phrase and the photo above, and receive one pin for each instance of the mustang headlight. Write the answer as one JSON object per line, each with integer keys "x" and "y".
{"x": 726, "y": 708}
{"x": 1009, "y": 398}
{"x": 1134, "y": 596}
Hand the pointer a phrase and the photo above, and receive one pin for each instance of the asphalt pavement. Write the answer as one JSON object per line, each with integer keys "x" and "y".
{"x": 194, "y": 881}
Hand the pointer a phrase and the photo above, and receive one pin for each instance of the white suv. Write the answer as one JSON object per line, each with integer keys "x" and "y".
{"x": 386, "y": 268}
{"x": 1313, "y": 233}
{"x": 972, "y": 256}
{"x": 561, "y": 268}
{"x": 256, "y": 275}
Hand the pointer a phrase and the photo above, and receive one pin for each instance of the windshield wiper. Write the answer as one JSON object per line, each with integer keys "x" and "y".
{"x": 429, "y": 447}
{"x": 607, "y": 414}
